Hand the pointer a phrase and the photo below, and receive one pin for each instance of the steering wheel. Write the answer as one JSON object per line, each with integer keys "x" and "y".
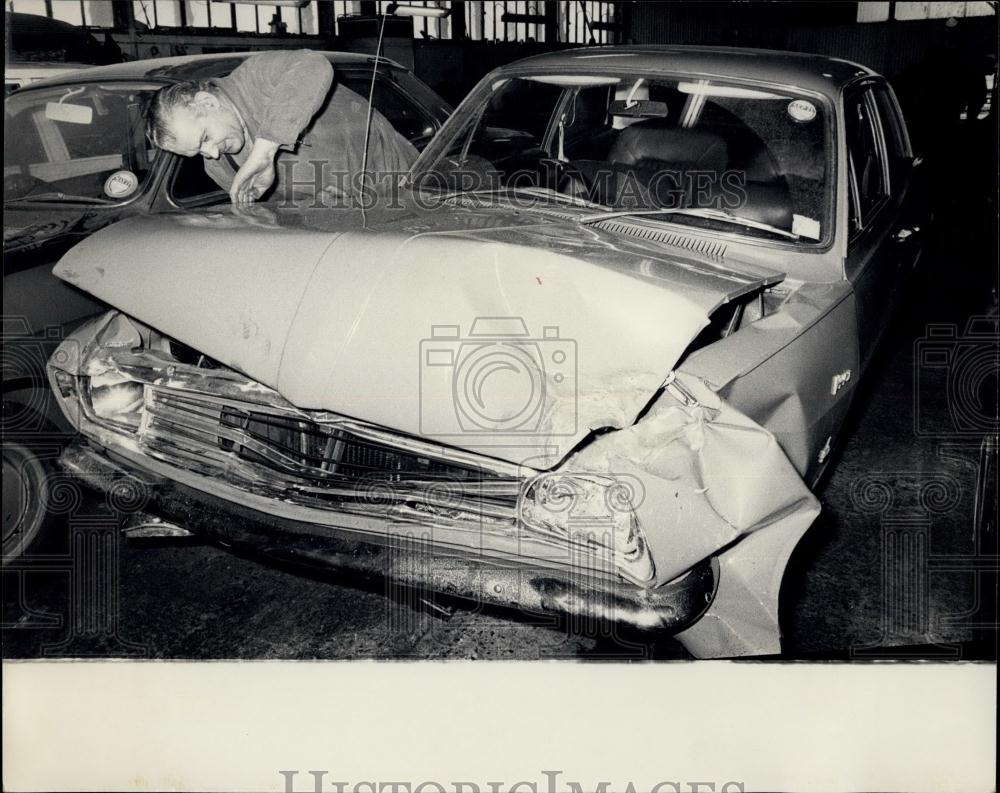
{"x": 19, "y": 185}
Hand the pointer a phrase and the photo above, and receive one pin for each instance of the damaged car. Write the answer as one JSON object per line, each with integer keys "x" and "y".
{"x": 589, "y": 358}
{"x": 76, "y": 159}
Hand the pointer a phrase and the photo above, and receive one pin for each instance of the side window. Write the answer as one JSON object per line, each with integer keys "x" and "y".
{"x": 528, "y": 110}
{"x": 191, "y": 185}
{"x": 866, "y": 158}
{"x": 76, "y": 154}
{"x": 409, "y": 119}
{"x": 896, "y": 141}
{"x": 892, "y": 123}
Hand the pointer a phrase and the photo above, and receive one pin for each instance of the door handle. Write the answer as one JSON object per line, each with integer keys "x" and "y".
{"x": 903, "y": 234}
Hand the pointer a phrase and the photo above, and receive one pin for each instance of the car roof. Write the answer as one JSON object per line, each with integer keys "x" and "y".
{"x": 190, "y": 67}
{"x": 820, "y": 73}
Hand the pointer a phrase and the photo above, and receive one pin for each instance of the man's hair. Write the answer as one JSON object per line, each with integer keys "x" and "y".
{"x": 161, "y": 105}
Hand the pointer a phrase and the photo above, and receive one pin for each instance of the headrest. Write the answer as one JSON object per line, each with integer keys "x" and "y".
{"x": 641, "y": 143}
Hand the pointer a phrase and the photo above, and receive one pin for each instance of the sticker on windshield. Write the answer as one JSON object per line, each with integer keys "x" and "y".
{"x": 121, "y": 184}
{"x": 802, "y": 110}
{"x": 805, "y": 227}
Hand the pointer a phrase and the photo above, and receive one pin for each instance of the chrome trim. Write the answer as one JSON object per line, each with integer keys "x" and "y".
{"x": 574, "y": 591}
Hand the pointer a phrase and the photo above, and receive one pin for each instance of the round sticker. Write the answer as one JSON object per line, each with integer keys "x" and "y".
{"x": 121, "y": 184}
{"x": 802, "y": 110}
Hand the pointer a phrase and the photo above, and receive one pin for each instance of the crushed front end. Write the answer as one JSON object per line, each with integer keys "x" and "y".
{"x": 682, "y": 521}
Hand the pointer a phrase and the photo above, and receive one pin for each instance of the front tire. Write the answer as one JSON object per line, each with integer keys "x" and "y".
{"x": 26, "y": 512}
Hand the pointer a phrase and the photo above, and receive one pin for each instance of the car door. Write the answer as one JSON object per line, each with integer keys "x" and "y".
{"x": 884, "y": 237}
{"x": 908, "y": 182}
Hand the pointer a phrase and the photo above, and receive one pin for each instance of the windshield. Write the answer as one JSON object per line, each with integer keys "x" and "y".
{"x": 76, "y": 143}
{"x": 720, "y": 152}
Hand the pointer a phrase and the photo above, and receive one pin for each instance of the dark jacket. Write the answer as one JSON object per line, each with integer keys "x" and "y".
{"x": 286, "y": 97}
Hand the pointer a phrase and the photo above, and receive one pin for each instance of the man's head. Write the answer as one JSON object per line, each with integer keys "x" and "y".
{"x": 192, "y": 118}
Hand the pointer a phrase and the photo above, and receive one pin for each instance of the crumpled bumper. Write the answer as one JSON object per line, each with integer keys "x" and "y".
{"x": 623, "y": 529}
{"x": 396, "y": 559}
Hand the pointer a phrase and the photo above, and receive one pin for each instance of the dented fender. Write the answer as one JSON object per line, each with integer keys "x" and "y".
{"x": 712, "y": 482}
{"x": 703, "y": 481}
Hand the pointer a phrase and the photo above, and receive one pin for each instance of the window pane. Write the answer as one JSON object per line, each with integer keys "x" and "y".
{"x": 873, "y": 12}
{"x": 310, "y": 20}
{"x": 99, "y": 14}
{"x": 168, "y": 13}
{"x": 862, "y": 146}
{"x": 246, "y": 18}
{"x": 197, "y": 13}
{"x": 143, "y": 12}
{"x": 408, "y": 119}
{"x": 36, "y": 7}
{"x": 222, "y": 15}
{"x": 891, "y": 124}
{"x": 290, "y": 17}
{"x": 269, "y": 22}
{"x": 77, "y": 158}
{"x": 634, "y": 141}
{"x": 908, "y": 10}
{"x": 67, "y": 11}
{"x": 192, "y": 183}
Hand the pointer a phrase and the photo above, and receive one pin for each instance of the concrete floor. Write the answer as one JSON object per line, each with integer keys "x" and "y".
{"x": 893, "y": 568}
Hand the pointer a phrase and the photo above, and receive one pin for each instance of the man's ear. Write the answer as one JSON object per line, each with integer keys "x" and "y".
{"x": 205, "y": 100}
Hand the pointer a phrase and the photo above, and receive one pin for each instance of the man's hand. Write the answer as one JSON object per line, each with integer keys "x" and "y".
{"x": 256, "y": 175}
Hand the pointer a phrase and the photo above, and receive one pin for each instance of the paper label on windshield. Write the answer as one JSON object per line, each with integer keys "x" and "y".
{"x": 802, "y": 110}
{"x": 805, "y": 227}
{"x": 121, "y": 184}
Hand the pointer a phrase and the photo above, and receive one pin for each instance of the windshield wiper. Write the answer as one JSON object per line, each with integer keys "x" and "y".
{"x": 43, "y": 197}
{"x": 711, "y": 214}
{"x": 548, "y": 192}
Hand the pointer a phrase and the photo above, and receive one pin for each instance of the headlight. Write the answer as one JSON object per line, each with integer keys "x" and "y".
{"x": 65, "y": 383}
{"x": 118, "y": 402}
{"x": 86, "y": 379}
{"x": 596, "y": 510}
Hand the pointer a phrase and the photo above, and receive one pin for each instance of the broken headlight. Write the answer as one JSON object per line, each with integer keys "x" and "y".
{"x": 592, "y": 511}
{"x": 86, "y": 380}
{"x": 116, "y": 400}
{"x": 65, "y": 383}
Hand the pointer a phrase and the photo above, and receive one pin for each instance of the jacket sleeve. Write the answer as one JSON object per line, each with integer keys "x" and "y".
{"x": 291, "y": 86}
{"x": 221, "y": 173}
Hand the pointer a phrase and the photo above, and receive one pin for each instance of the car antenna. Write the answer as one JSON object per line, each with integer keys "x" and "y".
{"x": 399, "y": 10}
{"x": 371, "y": 109}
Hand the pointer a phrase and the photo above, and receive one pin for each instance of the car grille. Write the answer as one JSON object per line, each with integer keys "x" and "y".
{"x": 317, "y": 463}
{"x": 307, "y": 449}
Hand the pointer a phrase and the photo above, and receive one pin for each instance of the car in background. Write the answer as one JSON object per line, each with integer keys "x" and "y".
{"x": 75, "y": 160}
{"x": 589, "y": 361}
{"x": 17, "y": 75}
{"x": 39, "y": 48}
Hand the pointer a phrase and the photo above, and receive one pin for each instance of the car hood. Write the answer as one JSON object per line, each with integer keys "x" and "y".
{"x": 510, "y": 333}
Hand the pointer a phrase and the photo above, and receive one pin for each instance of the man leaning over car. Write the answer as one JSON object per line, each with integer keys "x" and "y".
{"x": 277, "y": 108}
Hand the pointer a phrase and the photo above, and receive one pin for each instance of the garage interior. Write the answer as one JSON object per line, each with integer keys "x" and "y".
{"x": 902, "y": 563}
